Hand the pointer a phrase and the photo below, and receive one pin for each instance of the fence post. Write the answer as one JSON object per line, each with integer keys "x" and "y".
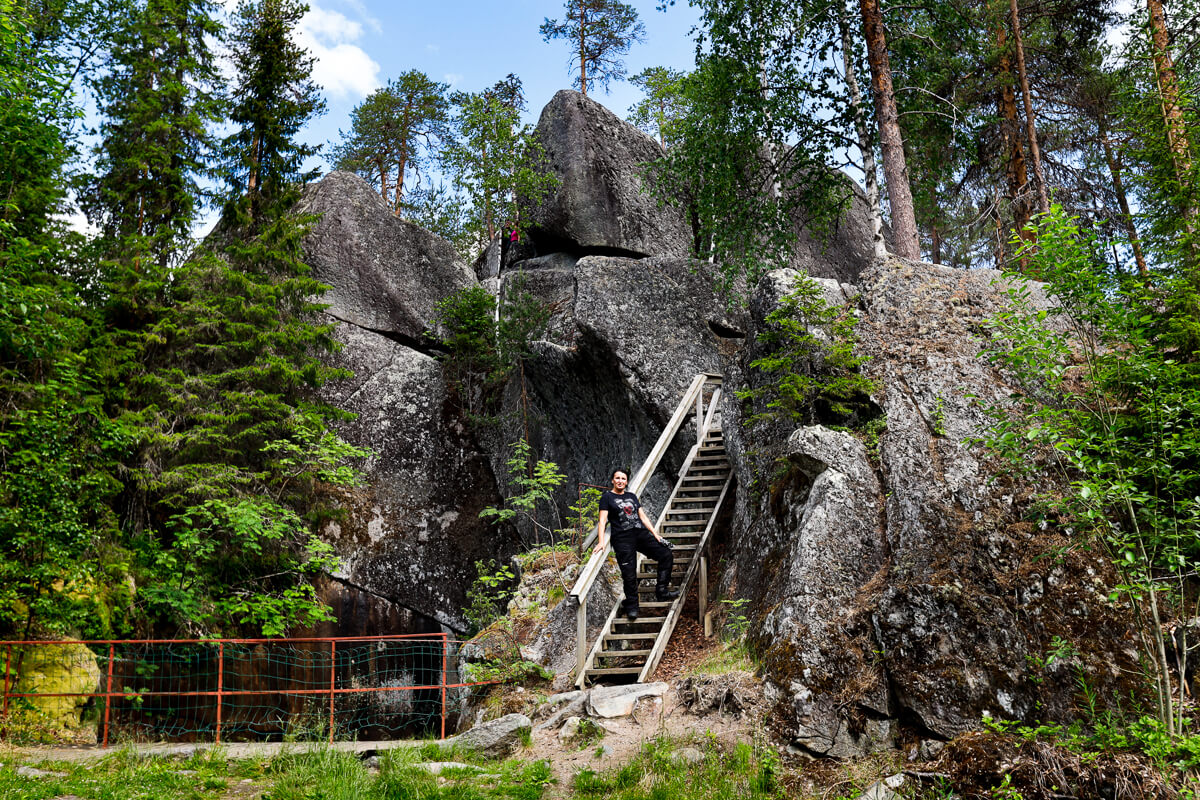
{"x": 332, "y": 675}
{"x": 7, "y": 667}
{"x": 112, "y": 650}
{"x": 220, "y": 684}
{"x": 445, "y": 654}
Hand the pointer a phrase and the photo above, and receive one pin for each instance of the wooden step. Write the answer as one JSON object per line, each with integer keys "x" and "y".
{"x": 614, "y": 671}
{"x": 619, "y": 653}
{"x": 620, "y": 637}
{"x": 683, "y": 523}
{"x": 640, "y": 620}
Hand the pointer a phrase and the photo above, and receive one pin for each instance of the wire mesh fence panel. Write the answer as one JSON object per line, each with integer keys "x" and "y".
{"x": 241, "y": 689}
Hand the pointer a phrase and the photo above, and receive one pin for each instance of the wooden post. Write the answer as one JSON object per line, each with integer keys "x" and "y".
{"x": 332, "y": 675}
{"x": 7, "y": 668}
{"x": 581, "y": 634}
{"x": 108, "y": 691}
{"x": 220, "y": 682}
{"x": 703, "y": 586}
{"x": 445, "y": 648}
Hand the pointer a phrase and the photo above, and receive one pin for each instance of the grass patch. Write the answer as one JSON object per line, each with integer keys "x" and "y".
{"x": 659, "y": 772}
{"x": 123, "y": 775}
{"x": 730, "y": 657}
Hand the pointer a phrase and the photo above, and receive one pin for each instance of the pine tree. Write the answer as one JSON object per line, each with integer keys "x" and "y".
{"x": 494, "y": 159}
{"x": 600, "y": 32}
{"x": 396, "y": 132}
{"x": 659, "y": 112}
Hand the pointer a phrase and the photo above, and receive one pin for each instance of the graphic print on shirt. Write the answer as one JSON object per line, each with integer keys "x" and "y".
{"x": 628, "y": 511}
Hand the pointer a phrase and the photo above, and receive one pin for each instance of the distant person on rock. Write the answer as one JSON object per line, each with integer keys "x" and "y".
{"x": 633, "y": 533}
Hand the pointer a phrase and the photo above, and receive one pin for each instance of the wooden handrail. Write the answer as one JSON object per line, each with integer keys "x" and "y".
{"x": 692, "y": 398}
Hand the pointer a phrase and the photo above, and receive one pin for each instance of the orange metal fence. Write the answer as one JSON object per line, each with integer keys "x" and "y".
{"x": 191, "y": 689}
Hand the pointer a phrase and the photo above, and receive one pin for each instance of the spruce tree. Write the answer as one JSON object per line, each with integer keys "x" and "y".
{"x": 159, "y": 104}
{"x": 273, "y": 98}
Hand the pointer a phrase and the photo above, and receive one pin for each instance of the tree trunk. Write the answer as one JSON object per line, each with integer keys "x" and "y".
{"x": 582, "y": 50}
{"x": 865, "y": 145}
{"x": 1015, "y": 172}
{"x": 1114, "y": 169}
{"x": 1168, "y": 91}
{"x": 1030, "y": 127}
{"x": 895, "y": 170}
{"x": 401, "y": 165}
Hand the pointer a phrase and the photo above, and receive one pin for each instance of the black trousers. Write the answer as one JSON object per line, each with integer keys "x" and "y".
{"x": 626, "y": 545}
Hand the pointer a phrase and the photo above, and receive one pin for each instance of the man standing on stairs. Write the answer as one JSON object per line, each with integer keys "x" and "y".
{"x": 633, "y": 533}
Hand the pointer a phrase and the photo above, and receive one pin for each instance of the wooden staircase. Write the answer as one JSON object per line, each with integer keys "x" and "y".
{"x": 631, "y": 650}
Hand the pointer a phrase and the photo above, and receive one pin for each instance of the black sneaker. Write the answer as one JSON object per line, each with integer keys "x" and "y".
{"x": 666, "y": 594}
{"x": 631, "y": 613}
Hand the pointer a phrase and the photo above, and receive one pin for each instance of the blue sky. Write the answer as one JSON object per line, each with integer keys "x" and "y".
{"x": 470, "y": 44}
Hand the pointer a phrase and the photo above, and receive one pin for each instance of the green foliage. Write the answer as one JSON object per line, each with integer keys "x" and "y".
{"x": 736, "y": 623}
{"x": 599, "y": 32}
{"x": 813, "y": 369}
{"x": 534, "y": 483}
{"x": 273, "y": 98}
{"x": 489, "y": 594}
{"x": 485, "y": 351}
{"x": 660, "y": 112}
{"x": 494, "y": 160}
{"x": 395, "y": 133}
{"x": 748, "y": 771}
{"x": 763, "y": 112}
{"x": 1114, "y": 407}
{"x": 159, "y": 101}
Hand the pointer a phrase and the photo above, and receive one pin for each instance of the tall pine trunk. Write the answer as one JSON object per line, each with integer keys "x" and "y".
{"x": 1168, "y": 91}
{"x": 1015, "y": 170}
{"x": 891, "y": 142}
{"x": 1035, "y": 153}
{"x": 582, "y": 49}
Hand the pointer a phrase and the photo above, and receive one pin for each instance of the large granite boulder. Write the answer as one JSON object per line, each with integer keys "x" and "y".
{"x": 386, "y": 274}
{"x": 892, "y": 579}
{"x": 600, "y": 205}
{"x": 625, "y": 341}
{"x": 411, "y": 534}
{"x": 844, "y": 251}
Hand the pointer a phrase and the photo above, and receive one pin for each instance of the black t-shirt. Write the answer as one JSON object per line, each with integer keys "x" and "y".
{"x": 622, "y": 510}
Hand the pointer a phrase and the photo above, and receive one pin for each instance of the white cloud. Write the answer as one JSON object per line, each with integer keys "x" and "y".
{"x": 341, "y": 67}
{"x": 452, "y": 78}
{"x": 432, "y": 48}
{"x": 331, "y": 27}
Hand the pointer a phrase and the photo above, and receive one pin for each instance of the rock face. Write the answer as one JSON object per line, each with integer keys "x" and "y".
{"x": 412, "y": 534}
{"x": 845, "y": 252}
{"x": 889, "y": 578}
{"x": 386, "y": 273}
{"x": 599, "y": 205}
{"x": 891, "y": 583}
{"x": 625, "y": 342}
